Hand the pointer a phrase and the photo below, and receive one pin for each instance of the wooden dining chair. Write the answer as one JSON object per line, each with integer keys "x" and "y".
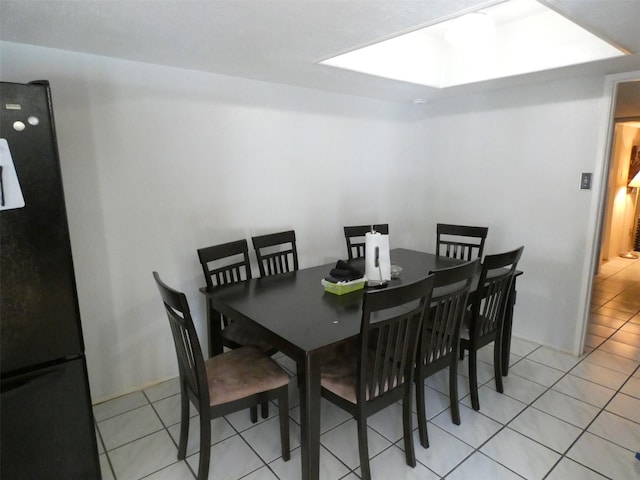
{"x": 438, "y": 348}
{"x": 355, "y": 235}
{"x": 276, "y": 252}
{"x": 222, "y": 384}
{"x": 224, "y": 264}
{"x": 460, "y": 241}
{"x": 485, "y": 319}
{"x": 379, "y": 371}
{"x": 221, "y": 265}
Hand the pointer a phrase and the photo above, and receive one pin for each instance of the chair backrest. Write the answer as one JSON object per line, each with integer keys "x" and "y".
{"x": 354, "y": 235}
{"x": 460, "y": 241}
{"x": 276, "y": 252}
{"x": 185, "y": 339}
{"x": 446, "y": 312}
{"x": 494, "y": 285}
{"x": 225, "y": 263}
{"x": 391, "y": 320}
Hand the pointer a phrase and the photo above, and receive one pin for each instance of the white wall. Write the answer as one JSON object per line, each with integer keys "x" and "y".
{"x": 158, "y": 162}
{"x": 516, "y": 156}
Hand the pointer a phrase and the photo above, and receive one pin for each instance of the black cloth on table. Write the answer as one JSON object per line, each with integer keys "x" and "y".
{"x": 343, "y": 272}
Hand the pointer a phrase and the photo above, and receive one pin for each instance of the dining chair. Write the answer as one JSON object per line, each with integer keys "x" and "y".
{"x": 379, "y": 371}
{"x": 222, "y": 384}
{"x": 276, "y": 252}
{"x": 355, "y": 235}
{"x": 438, "y": 348}
{"x": 485, "y": 319}
{"x": 460, "y": 241}
{"x": 224, "y": 264}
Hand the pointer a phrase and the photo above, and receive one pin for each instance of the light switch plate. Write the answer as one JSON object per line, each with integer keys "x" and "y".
{"x": 585, "y": 181}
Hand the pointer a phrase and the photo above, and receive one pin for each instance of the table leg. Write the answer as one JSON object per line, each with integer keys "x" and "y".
{"x": 310, "y": 417}
{"x": 506, "y": 329}
{"x": 214, "y": 330}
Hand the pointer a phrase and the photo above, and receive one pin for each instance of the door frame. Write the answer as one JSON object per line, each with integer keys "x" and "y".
{"x": 601, "y": 181}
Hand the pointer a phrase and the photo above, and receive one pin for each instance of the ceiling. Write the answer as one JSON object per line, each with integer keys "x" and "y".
{"x": 282, "y": 41}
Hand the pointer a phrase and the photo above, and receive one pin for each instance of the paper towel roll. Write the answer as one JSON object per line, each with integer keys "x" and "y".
{"x": 377, "y": 263}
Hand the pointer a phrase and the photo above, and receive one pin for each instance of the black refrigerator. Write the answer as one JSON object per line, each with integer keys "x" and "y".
{"x": 46, "y": 421}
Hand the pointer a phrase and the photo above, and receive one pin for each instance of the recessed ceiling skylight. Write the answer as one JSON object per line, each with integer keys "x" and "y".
{"x": 510, "y": 38}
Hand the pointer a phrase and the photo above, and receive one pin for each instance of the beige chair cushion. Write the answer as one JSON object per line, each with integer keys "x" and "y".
{"x": 240, "y": 373}
{"x": 340, "y": 376}
{"x": 344, "y": 386}
{"x": 464, "y": 333}
{"x": 466, "y": 326}
{"x": 340, "y": 360}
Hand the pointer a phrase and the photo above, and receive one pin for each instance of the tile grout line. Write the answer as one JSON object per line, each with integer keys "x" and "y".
{"x": 602, "y": 409}
{"x": 486, "y": 383}
{"x": 104, "y": 448}
{"x": 530, "y": 404}
{"x": 166, "y": 429}
{"x": 238, "y": 432}
{"x": 503, "y": 426}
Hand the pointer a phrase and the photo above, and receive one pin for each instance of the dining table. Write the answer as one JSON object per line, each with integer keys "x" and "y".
{"x": 293, "y": 313}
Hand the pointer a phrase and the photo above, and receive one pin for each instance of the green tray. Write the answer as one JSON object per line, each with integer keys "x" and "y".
{"x": 345, "y": 287}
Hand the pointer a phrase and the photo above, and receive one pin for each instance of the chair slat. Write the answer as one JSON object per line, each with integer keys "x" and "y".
{"x": 224, "y": 264}
{"x": 440, "y": 334}
{"x": 271, "y": 382}
{"x": 388, "y": 341}
{"x": 487, "y": 315}
{"x": 284, "y": 260}
{"x": 460, "y": 241}
{"x": 355, "y": 235}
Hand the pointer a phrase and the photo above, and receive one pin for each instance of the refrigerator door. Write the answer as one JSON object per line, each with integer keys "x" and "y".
{"x": 47, "y": 425}
{"x": 40, "y": 319}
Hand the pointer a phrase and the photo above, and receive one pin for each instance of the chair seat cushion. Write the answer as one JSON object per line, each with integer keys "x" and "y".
{"x": 465, "y": 329}
{"x": 341, "y": 359}
{"x": 340, "y": 376}
{"x": 244, "y": 335}
{"x": 344, "y": 386}
{"x": 240, "y": 373}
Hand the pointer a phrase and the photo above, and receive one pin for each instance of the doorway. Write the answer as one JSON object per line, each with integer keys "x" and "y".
{"x": 620, "y": 216}
{"x": 617, "y": 273}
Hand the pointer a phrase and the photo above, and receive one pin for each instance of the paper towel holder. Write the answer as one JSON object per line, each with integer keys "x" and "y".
{"x": 376, "y": 284}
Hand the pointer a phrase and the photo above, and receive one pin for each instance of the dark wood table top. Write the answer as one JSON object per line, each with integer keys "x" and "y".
{"x": 297, "y": 315}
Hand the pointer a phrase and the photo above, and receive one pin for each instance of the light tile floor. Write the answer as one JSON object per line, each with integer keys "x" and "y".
{"x": 560, "y": 418}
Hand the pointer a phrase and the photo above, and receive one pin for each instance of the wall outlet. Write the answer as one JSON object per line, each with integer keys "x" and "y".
{"x": 585, "y": 181}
